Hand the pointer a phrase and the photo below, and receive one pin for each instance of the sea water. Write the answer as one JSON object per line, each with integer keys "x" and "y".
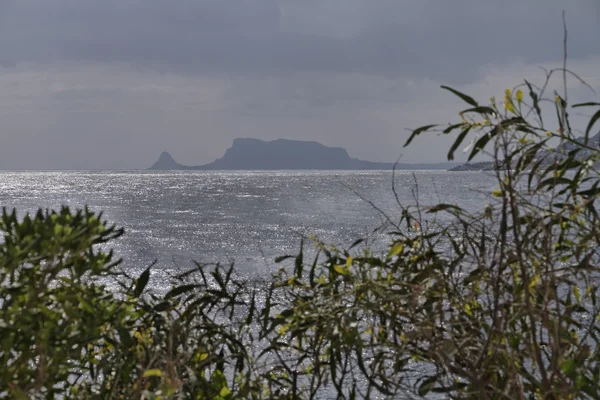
{"x": 246, "y": 217}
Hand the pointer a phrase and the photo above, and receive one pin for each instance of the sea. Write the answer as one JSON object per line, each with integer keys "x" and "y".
{"x": 246, "y": 217}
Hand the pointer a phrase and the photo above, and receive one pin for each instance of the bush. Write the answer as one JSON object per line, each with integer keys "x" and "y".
{"x": 64, "y": 333}
{"x": 500, "y": 303}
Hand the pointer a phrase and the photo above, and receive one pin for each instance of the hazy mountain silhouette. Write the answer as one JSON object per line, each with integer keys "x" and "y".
{"x": 563, "y": 149}
{"x": 547, "y": 156}
{"x": 255, "y": 154}
{"x": 165, "y": 161}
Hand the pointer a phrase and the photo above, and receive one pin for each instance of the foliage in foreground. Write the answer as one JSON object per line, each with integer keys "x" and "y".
{"x": 497, "y": 304}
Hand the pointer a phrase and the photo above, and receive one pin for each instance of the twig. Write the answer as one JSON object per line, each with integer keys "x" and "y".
{"x": 394, "y": 183}
{"x": 375, "y": 207}
{"x": 564, "y": 19}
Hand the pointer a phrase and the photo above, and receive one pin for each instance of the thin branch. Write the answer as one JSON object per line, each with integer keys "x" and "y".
{"x": 564, "y": 68}
{"x": 375, "y": 207}
{"x": 394, "y": 183}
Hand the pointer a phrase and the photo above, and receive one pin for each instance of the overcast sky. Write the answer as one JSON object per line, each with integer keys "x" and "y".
{"x": 109, "y": 84}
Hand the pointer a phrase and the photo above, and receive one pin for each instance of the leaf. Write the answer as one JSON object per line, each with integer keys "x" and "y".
{"x": 340, "y": 270}
{"x": 594, "y": 191}
{"x": 282, "y": 258}
{"x": 142, "y": 281}
{"x": 590, "y": 104}
{"x": 164, "y": 306}
{"x": 442, "y": 207}
{"x": 299, "y": 262}
{"x": 473, "y": 276}
{"x": 463, "y": 96}
{"x": 553, "y": 182}
{"x": 252, "y": 309}
{"x": 152, "y": 372}
{"x": 417, "y": 132}
{"x": 187, "y": 273}
{"x": 17, "y": 393}
{"x": 467, "y": 309}
{"x": 480, "y": 144}
{"x": 568, "y": 367}
{"x": 396, "y": 249}
{"x": 224, "y": 391}
{"x": 536, "y": 103}
{"x": 313, "y": 268}
{"x": 452, "y": 127}
{"x": 577, "y": 293}
{"x": 356, "y": 243}
{"x": 593, "y": 120}
{"x": 427, "y": 385}
{"x": 218, "y": 277}
{"x": 349, "y": 261}
{"x": 529, "y": 156}
{"x": 179, "y": 290}
{"x": 457, "y": 143}
{"x": 534, "y": 281}
{"x": 510, "y": 107}
{"x": 480, "y": 110}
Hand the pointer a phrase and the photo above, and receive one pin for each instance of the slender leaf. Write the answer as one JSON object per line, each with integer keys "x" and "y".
{"x": 356, "y": 243}
{"x": 480, "y": 110}
{"x": 282, "y": 258}
{"x": 593, "y": 120}
{"x": 299, "y": 262}
{"x": 417, "y": 132}
{"x": 142, "y": 281}
{"x": 590, "y": 104}
{"x": 536, "y": 102}
{"x": 480, "y": 144}
{"x": 452, "y": 127}
{"x": 427, "y": 385}
{"x": 442, "y": 207}
{"x": 463, "y": 96}
{"x": 180, "y": 290}
{"x": 457, "y": 143}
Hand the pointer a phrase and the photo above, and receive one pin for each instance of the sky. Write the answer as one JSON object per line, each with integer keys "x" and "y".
{"x": 110, "y": 84}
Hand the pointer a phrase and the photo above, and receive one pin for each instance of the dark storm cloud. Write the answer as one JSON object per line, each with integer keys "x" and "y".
{"x": 437, "y": 39}
{"x": 112, "y": 83}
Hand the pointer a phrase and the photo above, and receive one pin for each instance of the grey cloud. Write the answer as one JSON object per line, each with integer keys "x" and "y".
{"x": 449, "y": 40}
{"x": 115, "y": 117}
{"x": 112, "y": 83}
{"x": 313, "y": 95}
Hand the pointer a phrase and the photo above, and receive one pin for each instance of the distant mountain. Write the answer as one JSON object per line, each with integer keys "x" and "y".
{"x": 166, "y": 161}
{"x": 255, "y": 154}
{"x": 549, "y": 156}
{"x": 562, "y": 150}
{"x": 477, "y": 166}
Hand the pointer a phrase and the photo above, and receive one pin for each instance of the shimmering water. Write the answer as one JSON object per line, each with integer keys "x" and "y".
{"x": 251, "y": 217}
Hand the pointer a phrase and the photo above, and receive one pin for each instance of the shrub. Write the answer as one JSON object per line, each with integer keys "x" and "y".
{"x": 65, "y": 333}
